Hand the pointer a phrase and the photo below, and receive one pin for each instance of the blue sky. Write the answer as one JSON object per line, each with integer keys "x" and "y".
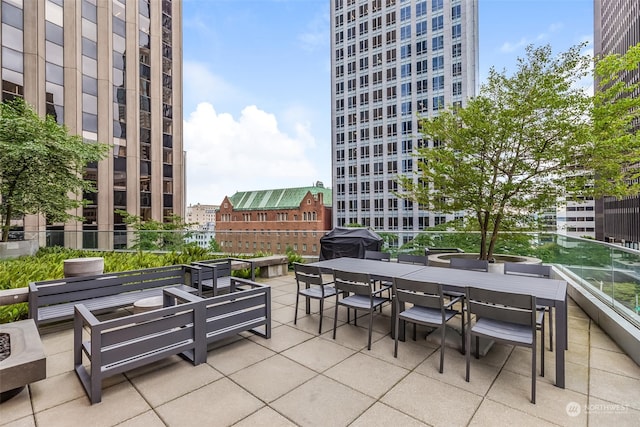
{"x": 257, "y": 95}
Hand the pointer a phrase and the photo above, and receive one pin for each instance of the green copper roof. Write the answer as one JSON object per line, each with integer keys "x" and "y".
{"x": 283, "y": 198}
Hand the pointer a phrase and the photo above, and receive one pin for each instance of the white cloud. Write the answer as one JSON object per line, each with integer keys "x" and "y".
{"x": 508, "y": 47}
{"x": 316, "y": 35}
{"x": 225, "y": 154}
{"x": 200, "y": 84}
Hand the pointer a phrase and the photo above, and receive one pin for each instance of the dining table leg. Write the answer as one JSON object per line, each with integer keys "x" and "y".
{"x": 561, "y": 328}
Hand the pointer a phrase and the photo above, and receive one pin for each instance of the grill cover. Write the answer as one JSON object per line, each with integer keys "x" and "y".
{"x": 348, "y": 242}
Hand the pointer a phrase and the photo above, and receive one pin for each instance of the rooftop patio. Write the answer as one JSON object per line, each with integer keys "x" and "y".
{"x": 300, "y": 378}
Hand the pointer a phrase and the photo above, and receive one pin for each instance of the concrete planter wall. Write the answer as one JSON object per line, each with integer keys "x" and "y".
{"x": 18, "y": 248}
{"x": 442, "y": 260}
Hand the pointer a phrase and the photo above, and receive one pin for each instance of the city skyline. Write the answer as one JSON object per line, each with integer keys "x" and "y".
{"x": 232, "y": 134}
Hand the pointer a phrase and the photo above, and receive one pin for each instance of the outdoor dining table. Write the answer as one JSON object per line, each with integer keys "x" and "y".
{"x": 549, "y": 292}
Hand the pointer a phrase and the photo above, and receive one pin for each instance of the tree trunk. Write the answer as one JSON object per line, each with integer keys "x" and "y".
{"x": 483, "y": 222}
{"x": 494, "y": 236}
{"x": 7, "y": 224}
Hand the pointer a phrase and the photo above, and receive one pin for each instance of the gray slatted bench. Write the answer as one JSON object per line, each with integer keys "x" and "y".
{"x": 118, "y": 345}
{"x": 215, "y": 274}
{"x": 185, "y": 325}
{"x": 247, "y": 307}
{"x": 53, "y": 300}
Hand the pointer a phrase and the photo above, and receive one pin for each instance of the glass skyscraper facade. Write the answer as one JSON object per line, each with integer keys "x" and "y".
{"x": 111, "y": 71}
{"x": 393, "y": 61}
{"x": 616, "y": 28}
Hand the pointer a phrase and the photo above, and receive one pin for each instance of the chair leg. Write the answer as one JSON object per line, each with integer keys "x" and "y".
{"x": 550, "y": 313}
{"x": 295, "y": 315}
{"x": 442, "y": 343}
{"x": 370, "y": 327}
{"x": 542, "y": 348}
{"x": 415, "y": 326}
{"x": 396, "y": 328}
{"x": 335, "y": 319}
{"x": 468, "y": 354}
{"x": 533, "y": 373}
{"x": 321, "y": 313}
{"x": 355, "y": 317}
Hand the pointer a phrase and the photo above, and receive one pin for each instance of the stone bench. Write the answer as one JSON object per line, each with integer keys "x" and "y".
{"x": 272, "y": 266}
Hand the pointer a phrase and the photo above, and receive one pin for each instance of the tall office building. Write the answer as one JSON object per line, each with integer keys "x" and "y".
{"x": 616, "y": 28}
{"x": 111, "y": 71}
{"x": 393, "y": 61}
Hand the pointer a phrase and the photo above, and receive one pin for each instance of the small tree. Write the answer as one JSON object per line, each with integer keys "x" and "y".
{"x": 41, "y": 165}
{"x": 523, "y": 141}
{"x": 155, "y": 235}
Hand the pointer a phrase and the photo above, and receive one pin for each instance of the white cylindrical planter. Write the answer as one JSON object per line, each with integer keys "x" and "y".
{"x": 83, "y": 266}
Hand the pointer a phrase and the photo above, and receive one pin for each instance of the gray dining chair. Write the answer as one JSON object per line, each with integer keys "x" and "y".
{"x": 377, "y": 255}
{"x": 505, "y": 317}
{"x": 413, "y": 259}
{"x": 469, "y": 264}
{"x": 466, "y": 264}
{"x": 428, "y": 309}
{"x": 311, "y": 285}
{"x": 534, "y": 270}
{"x": 380, "y": 256}
{"x": 357, "y": 292}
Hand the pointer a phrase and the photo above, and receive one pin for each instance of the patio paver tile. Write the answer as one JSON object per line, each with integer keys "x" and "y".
{"x": 119, "y": 403}
{"x": 272, "y": 377}
{"x": 220, "y": 403}
{"x": 367, "y": 374}
{"x": 482, "y": 374}
{"x": 16, "y": 408}
{"x": 265, "y": 417}
{"x": 237, "y": 355}
{"x": 612, "y": 361}
{"x": 615, "y": 388}
{"x": 493, "y": 413}
{"x": 173, "y": 380}
{"x": 55, "y": 390}
{"x": 148, "y": 419}
{"x": 514, "y": 390}
{"x": 282, "y": 338}
{"x": 603, "y": 413}
{"x": 381, "y": 415}
{"x": 318, "y": 354}
{"x": 431, "y": 401}
{"x": 22, "y": 422}
{"x": 322, "y": 402}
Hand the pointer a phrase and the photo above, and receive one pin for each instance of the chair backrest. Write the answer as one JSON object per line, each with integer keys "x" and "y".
{"x": 380, "y": 256}
{"x": 307, "y": 275}
{"x": 413, "y": 259}
{"x": 503, "y": 306}
{"x": 356, "y": 283}
{"x": 216, "y": 267}
{"x": 534, "y": 270}
{"x": 424, "y": 294}
{"x": 469, "y": 264}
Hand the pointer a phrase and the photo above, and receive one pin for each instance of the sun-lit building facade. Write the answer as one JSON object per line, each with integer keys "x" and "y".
{"x": 616, "y": 28}
{"x": 392, "y": 62}
{"x": 111, "y": 71}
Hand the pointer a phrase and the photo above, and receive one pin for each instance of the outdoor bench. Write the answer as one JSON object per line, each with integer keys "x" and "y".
{"x": 53, "y": 300}
{"x": 118, "y": 345}
{"x": 215, "y": 274}
{"x": 185, "y": 325}
{"x": 272, "y": 266}
{"x": 247, "y": 307}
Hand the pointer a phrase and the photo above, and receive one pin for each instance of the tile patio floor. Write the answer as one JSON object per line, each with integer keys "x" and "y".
{"x": 301, "y": 378}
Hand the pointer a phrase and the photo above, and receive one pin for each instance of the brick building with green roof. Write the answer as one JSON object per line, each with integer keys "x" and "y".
{"x": 274, "y": 220}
